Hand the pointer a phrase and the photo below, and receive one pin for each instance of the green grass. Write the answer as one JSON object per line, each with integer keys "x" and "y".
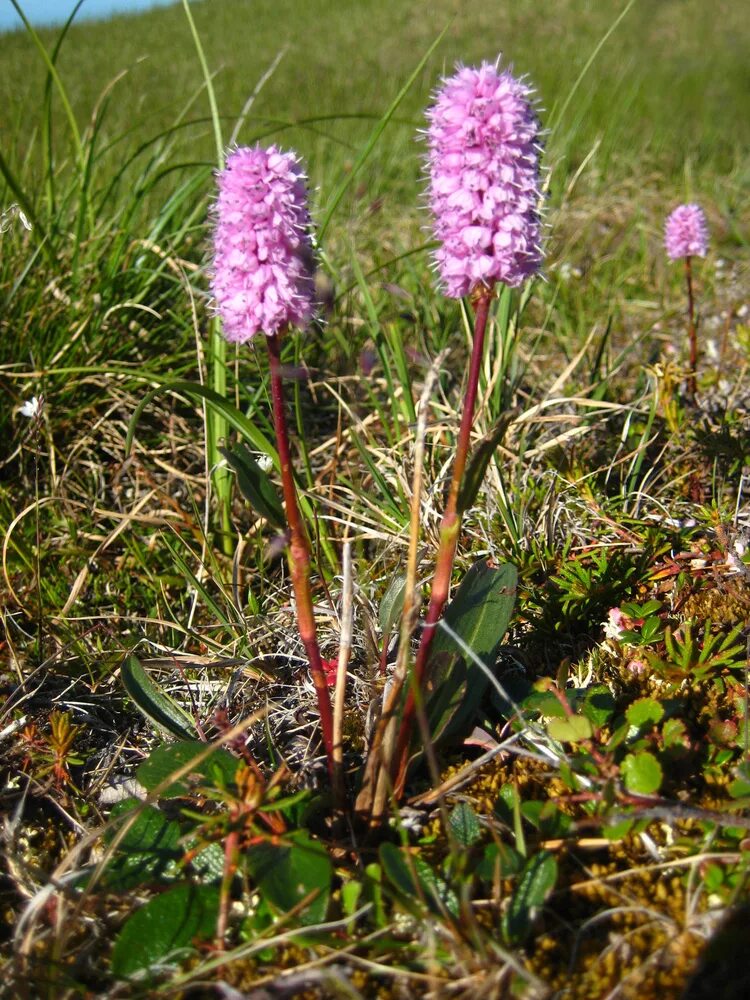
{"x": 551, "y": 872}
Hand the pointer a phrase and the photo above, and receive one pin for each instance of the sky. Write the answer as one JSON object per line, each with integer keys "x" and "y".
{"x": 47, "y": 12}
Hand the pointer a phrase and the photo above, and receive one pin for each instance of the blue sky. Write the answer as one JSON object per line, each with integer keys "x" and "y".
{"x": 45, "y": 12}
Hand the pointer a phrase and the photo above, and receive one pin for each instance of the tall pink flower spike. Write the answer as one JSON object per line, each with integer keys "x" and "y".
{"x": 263, "y": 257}
{"x": 484, "y": 146}
{"x": 686, "y": 232}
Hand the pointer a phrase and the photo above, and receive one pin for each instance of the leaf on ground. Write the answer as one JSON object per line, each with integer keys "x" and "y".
{"x": 164, "y": 930}
{"x": 217, "y": 767}
{"x": 641, "y": 773}
{"x": 153, "y": 702}
{"x": 288, "y": 872}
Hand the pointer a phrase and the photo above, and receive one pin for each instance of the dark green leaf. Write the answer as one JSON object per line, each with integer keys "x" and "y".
{"x": 154, "y": 703}
{"x": 499, "y": 861}
{"x": 478, "y": 615}
{"x": 536, "y": 880}
{"x": 464, "y": 824}
{"x": 289, "y": 871}
{"x": 598, "y": 705}
{"x": 217, "y": 767}
{"x": 415, "y": 882}
{"x": 254, "y": 484}
{"x": 480, "y": 459}
{"x": 148, "y": 848}
{"x": 164, "y": 930}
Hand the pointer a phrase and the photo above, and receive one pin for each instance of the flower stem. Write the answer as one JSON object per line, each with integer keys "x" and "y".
{"x": 449, "y": 530}
{"x": 692, "y": 386}
{"x": 298, "y": 553}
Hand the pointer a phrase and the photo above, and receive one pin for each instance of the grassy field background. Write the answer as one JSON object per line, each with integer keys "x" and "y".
{"x": 611, "y": 486}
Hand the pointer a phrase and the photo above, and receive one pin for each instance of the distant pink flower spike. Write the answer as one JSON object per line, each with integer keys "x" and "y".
{"x": 484, "y": 146}
{"x": 263, "y": 256}
{"x": 686, "y": 232}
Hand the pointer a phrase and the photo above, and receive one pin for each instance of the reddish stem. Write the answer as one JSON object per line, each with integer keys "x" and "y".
{"x": 298, "y": 553}
{"x": 692, "y": 386}
{"x": 449, "y": 529}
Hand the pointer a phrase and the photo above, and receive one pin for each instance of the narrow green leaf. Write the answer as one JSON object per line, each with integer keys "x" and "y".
{"x": 480, "y": 459}
{"x": 254, "y": 484}
{"x": 154, "y": 703}
{"x": 536, "y": 880}
{"x": 392, "y": 604}
{"x": 164, "y": 930}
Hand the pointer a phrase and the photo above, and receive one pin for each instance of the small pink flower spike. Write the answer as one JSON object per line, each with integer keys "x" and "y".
{"x": 263, "y": 256}
{"x": 686, "y": 232}
{"x": 484, "y": 147}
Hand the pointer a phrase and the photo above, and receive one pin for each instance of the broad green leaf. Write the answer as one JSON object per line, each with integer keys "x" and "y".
{"x": 480, "y": 459}
{"x": 535, "y": 882}
{"x": 641, "y": 773}
{"x": 644, "y": 713}
{"x": 153, "y": 702}
{"x": 479, "y": 616}
{"x": 254, "y": 484}
{"x": 571, "y": 729}
{"x": 291, "y": 870}
{"x": 149, "y": 846}
{"x": 217, "y": 768}
{"x": 164, "y": 931}
{"x": 464, "y": 824}
{"x": 392, "y": 604}
{"x": 598, "y": 705}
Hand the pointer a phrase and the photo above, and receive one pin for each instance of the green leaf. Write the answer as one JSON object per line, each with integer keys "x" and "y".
{"x": 641, "y": 773}
{"x": 598, "y": 705}
{"x": 148, "y": 848}
{"x": 212, "y": 766}
{"x": 464, "y": 824}
{"x": 415, "y": 881}
{"x": 536, "y": 880}
{"x": 499, "y": 861}
{"x": 644, "y": 713}
{"x": 153, "y": 702}
{"x": 392, "y": 604}
{"x": 480, "y": 459}
{"x": 478, "y": 616}
{"x": 571, "y": 729}
{"x": 291, "y": 870}
{"x": 164, "y": 930}
{"x": 254, "y": 484}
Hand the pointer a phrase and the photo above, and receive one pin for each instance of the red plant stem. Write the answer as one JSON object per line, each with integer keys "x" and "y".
{"x": 449, "y": 529}
{"x": 298, "y": 553}
{"x": 692, "y": 386}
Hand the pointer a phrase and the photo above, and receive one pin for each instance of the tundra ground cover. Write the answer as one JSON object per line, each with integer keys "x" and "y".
{"x": 591, "y": 837}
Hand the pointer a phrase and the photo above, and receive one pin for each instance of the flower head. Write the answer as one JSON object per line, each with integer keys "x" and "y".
{"x": 686, "y": 232}
{"x": 263, "y": 255}
{"x": 484, "y": 145}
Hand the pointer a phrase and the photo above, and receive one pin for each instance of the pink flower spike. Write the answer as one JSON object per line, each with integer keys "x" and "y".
{"x": 263, "y": 255}
{"x": 686, "y": 232}
{"x": 484, "y": 146}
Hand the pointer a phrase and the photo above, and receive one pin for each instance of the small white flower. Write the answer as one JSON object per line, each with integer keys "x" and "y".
{"x": 265, "y": 462}
{"x": 742, "y": 311}
{"x": 31, "y": 407}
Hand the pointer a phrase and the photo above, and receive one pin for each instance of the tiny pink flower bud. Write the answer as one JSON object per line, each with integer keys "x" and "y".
{"x": 263, "y": 256}
{"x": 484, "y": 146}
{"x": 686, "y": 232}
